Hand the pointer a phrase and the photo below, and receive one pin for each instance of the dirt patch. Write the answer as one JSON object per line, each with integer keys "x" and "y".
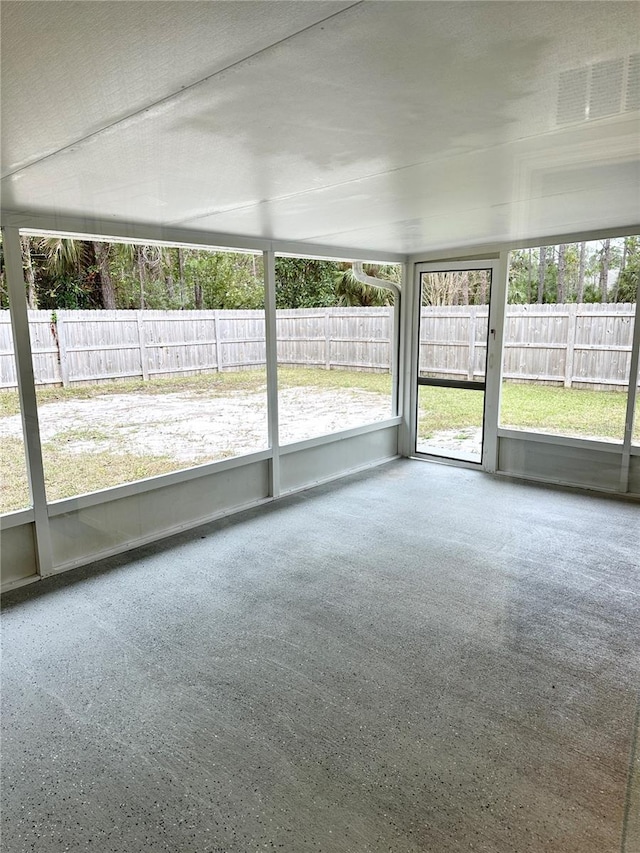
{"x": 195, "y": 428}
{"x": 464, "y": 443}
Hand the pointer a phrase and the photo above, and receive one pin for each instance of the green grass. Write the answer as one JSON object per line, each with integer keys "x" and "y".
{"x": 68, "y": 474}
{"x": 14, "y": 492}
{"x": 217, "y": 384}
{"x": 79, "y": 434}
{"x": 292, "y": 377}
{"x": 532, "y": 407}
{"x": 565, "y": 411}
{"x": 448, "y": 409}
{"x": 539, "y": 408}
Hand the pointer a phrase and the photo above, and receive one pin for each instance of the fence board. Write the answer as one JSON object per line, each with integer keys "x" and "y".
{"x": 585, "y": 346}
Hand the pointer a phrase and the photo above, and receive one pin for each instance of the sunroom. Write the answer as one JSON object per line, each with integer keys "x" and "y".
{"x": 270, "y": 140}
{"x": 250, "y": 248}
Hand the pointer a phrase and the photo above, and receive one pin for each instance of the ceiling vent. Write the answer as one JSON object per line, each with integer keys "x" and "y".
{"x": 599, "y": 90}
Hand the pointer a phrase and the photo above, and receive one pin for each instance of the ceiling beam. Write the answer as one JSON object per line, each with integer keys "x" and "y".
{"x": 119, "y": 231}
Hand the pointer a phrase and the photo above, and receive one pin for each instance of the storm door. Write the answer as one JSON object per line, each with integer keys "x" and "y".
{"x": 453, "y": 334}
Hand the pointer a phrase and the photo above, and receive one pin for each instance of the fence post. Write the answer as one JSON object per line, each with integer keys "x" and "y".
{"x": 572, "y": 322}
{"x": 327, "y": 339}
{"x": 62, "y": 348}
{"x": 216, "y": 329}
{"x": 473, "y": 319}
{"x": 144, "y": 361}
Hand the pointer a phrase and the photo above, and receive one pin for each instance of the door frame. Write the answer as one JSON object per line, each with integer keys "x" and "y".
{"x": 499, "y": 267}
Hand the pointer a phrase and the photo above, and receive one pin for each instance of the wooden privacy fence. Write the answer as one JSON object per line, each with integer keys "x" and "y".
{"x": 91, "y": 346}
{"x": 576, "y": 346}
{"x": 585, "y": 346}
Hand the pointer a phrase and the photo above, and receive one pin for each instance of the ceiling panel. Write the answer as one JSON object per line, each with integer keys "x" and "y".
{"x": 517, "y": 179}
{"x": 397, "y": 126}
{"x": 72, "y": 68}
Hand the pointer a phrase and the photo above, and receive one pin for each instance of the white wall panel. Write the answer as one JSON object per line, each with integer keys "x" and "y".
{"x": 315, "y": 464}
{"x": 634, "y": 476}
{"x": 84, "y": 530}
{"x": 17, "y": 554}
{"x": 87, "y": 533}
{"x": 563, "y": 463}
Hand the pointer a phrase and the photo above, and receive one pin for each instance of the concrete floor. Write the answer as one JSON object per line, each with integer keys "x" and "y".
{"x": 420, "y": 658}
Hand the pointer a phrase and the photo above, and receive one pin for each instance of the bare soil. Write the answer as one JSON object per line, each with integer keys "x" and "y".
{"x": 465, "y": 442}
{"x": 192, "y": 427}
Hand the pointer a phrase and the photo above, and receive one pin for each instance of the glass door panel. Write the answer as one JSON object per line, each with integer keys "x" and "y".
{"x": 453, "y": 334}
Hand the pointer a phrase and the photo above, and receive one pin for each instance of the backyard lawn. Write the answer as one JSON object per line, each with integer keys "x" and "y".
{"x": 539, "y": 408}
{"x": 88, "y": 448}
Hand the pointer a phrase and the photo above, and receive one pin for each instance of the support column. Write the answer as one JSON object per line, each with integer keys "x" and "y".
{"x": 269, "y": 264}
{"x": 632, "y": 394}
{"x": 408, "y": 321}
{"x": 493, "y": 377}
{"x": 27, "y": 394}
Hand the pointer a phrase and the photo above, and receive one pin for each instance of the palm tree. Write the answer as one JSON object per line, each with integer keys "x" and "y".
{"x": 75, "y": 258}
{"x": 351, "y": 292}
{"x": 64, "y": 256}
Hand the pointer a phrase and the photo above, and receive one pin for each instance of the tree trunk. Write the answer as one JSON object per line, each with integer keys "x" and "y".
{"x": 181, "y": 276}
{"x": 623, "y": 264}
{"x": 605, "y": 258}
{"x": 562, "y": 270}
{"x": 580, "y": 288}
{"x": 542, "y": 269}
{"x": 464, "y": 295}
{"x": 197, "y": 296}
{"x": 107, "y": 289}
{"x": 29, "y": 275}
{"x": 141, "y": 272}
{"x": 529, "y": 278}
{"x": 484, "y": 294}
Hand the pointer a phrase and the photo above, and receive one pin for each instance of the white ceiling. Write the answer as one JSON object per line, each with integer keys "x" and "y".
{"x": 387, "y": 126}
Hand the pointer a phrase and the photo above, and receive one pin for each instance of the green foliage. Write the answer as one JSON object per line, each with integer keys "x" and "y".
{"x": 163, "y": 278}
{"x": 629, "y": 279}
{"x": 68, "y": 275}
{"x": 224, "y": 279}
{"x": 521, "y": 281}
{"x": 623, "y": 260}
{"x": 305, "y": 283}
{"x": 628, "y": 283}
{"x": 592, "y": 294}
{"x": 67, "y": 292}
{"x": 63, "y": 256}
{"x": 551, "y": 281}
